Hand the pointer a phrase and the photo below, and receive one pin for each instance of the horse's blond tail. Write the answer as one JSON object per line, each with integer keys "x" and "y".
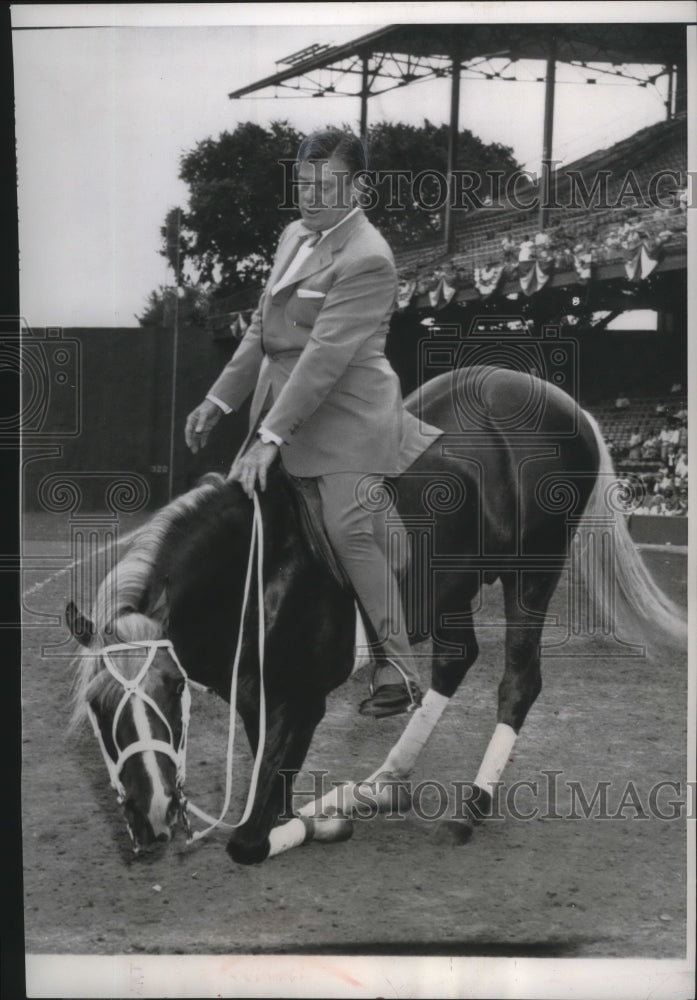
{"x": 618, "y": 571}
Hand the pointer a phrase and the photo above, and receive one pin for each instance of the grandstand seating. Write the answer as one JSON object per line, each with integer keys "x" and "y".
{"x": 658, "y": 495}
{"x": 618, "y": 425}
{"x": 610, "y": 232}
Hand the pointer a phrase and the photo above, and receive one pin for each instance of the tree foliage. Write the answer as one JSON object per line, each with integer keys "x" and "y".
{"x": 225, "y": 240}
{"x": 422, "y": 152}
{"x": 191, "y": 302}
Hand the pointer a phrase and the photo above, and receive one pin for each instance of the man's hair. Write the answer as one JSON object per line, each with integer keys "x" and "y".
{"x": 335, "y": 142}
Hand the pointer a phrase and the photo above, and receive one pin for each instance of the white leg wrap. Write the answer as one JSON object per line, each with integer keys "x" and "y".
{"x": 339, "y": 799}
{"x": 495, "y": 758}
{"x": 404, "y": 754}
{"x": 399, "y": 763}
{"x": 291, "y": 834}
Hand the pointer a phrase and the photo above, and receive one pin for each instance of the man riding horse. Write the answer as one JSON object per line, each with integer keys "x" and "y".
{"x": 325, "y": 397}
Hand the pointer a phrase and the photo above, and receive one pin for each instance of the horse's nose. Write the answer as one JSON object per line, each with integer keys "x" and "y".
{"x": 162, "y": 817}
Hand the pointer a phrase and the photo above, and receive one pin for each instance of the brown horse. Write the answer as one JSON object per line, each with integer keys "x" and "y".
{"x": 520, "y": 480}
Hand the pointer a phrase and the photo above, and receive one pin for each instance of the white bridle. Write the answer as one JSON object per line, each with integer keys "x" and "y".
{"x": 132, "y": 689}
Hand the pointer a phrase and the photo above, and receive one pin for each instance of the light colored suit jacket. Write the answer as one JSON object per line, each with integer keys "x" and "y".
{"x": 314, "y": 356}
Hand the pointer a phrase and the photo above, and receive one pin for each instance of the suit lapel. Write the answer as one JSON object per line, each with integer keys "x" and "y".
{"x": 284, "y": 255}
{"x": 321, "y": 254}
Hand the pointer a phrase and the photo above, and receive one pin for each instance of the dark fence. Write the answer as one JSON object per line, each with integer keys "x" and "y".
{"x": 96, "y": 413}
{"x": 97, "y": 403}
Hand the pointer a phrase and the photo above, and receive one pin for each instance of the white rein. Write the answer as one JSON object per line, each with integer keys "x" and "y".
{"x": 132, "y": 688}
{"x": 258, "y": 538}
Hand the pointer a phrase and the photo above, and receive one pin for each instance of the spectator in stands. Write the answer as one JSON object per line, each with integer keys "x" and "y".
{"x": 682, "y": 500}
{"x": 635, "y": 443}
{"x": 527, "y": 250}
{"x": 681, "y": 465}
{"x": 670, "y": 503}
{"x": 669, "y": 437}
{"x": 622, "y": 403}
{"x": 651, "y": 448}
{"x": 543, "y": 247}
{"x": 681, "y": 417}
{"x": 649, "y": 481}
{"x": 655, "y": 504}
{"x": 663, "y": 480}
{"x": 509, "y": 248}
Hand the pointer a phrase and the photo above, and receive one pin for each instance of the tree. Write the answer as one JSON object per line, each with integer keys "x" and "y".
{"x": 422, "y": 153}
{"x": 239, "y": 182}
{"x": 236, "y": 184}
{"x": 193, "y": 306}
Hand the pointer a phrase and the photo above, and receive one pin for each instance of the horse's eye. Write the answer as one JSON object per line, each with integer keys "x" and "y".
{"x": 180, "y": 688}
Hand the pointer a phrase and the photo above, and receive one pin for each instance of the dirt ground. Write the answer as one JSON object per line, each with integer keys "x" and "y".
{"x": 551, "y": 885}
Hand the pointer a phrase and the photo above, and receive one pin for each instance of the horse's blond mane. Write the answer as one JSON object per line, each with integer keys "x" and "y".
{"x": 128, "y": 607}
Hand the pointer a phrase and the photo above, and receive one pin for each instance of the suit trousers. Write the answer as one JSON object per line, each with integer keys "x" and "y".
{"x": 351, "y": 532}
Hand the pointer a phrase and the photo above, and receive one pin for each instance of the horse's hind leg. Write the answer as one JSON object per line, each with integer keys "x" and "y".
{"x": 526, "y": 597}
{"x": 449, "y": 666}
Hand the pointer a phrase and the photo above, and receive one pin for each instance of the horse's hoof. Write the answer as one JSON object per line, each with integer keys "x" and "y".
{"x": 387, "y": 794}
{"x": 453, "y": 832}
{"x": 247, "y": 852}
{"x": 480, "y": 805}
{"x": 333, "y": 829}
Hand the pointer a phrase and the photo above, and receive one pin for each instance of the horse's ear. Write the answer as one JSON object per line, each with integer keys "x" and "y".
{"x": 80, "y": 627}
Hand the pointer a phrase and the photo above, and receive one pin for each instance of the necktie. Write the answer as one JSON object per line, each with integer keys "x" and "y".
{"x": 306, "y": 241}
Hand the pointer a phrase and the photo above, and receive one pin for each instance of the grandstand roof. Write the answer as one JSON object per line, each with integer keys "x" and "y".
{"x": 432, "y": 46}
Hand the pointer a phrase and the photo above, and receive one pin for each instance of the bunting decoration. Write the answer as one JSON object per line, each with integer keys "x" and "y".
{"x": 448, "y": 291}
{"x": 532, "y": 279}
{"x": 238, "y": 324}
{"x": 486, "y": 279}
{"x": 583, "y": 247}
{"x": 641, "y": 265}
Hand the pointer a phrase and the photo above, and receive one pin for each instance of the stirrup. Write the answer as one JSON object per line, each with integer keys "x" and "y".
{"x": 407, "y": 683}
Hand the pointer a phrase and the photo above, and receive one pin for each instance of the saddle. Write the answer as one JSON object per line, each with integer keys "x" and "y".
{"x": 309, "y": 506}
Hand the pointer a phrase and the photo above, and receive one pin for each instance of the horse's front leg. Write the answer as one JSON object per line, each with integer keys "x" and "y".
{"x": 288, "y": 736}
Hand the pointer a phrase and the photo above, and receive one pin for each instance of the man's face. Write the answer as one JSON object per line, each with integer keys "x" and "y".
{"x": 324, "y": 192}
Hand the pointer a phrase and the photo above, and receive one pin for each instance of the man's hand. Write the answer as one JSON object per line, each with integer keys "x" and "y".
{"x": 253, "y": 465}
{"x": 200, "y": 423}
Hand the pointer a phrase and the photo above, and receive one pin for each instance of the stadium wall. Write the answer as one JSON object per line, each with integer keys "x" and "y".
{"x": 97, "y": 404}
{"x": 110, "y": 414}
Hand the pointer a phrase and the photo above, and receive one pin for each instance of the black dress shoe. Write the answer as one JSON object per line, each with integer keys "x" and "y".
{"x": 391, "y": 699}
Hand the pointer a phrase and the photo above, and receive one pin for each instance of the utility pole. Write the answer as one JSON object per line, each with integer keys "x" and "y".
{"x": 175, "y": 358}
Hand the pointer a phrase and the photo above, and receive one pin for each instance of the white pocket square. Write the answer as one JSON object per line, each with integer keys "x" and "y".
{"x": 308, "y": 293}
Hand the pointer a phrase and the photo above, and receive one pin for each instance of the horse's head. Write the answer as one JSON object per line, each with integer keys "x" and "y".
{"x": 135, "y": 692}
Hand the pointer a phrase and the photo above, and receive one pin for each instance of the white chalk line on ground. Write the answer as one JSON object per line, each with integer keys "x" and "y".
{"x": 36, "y": 587}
